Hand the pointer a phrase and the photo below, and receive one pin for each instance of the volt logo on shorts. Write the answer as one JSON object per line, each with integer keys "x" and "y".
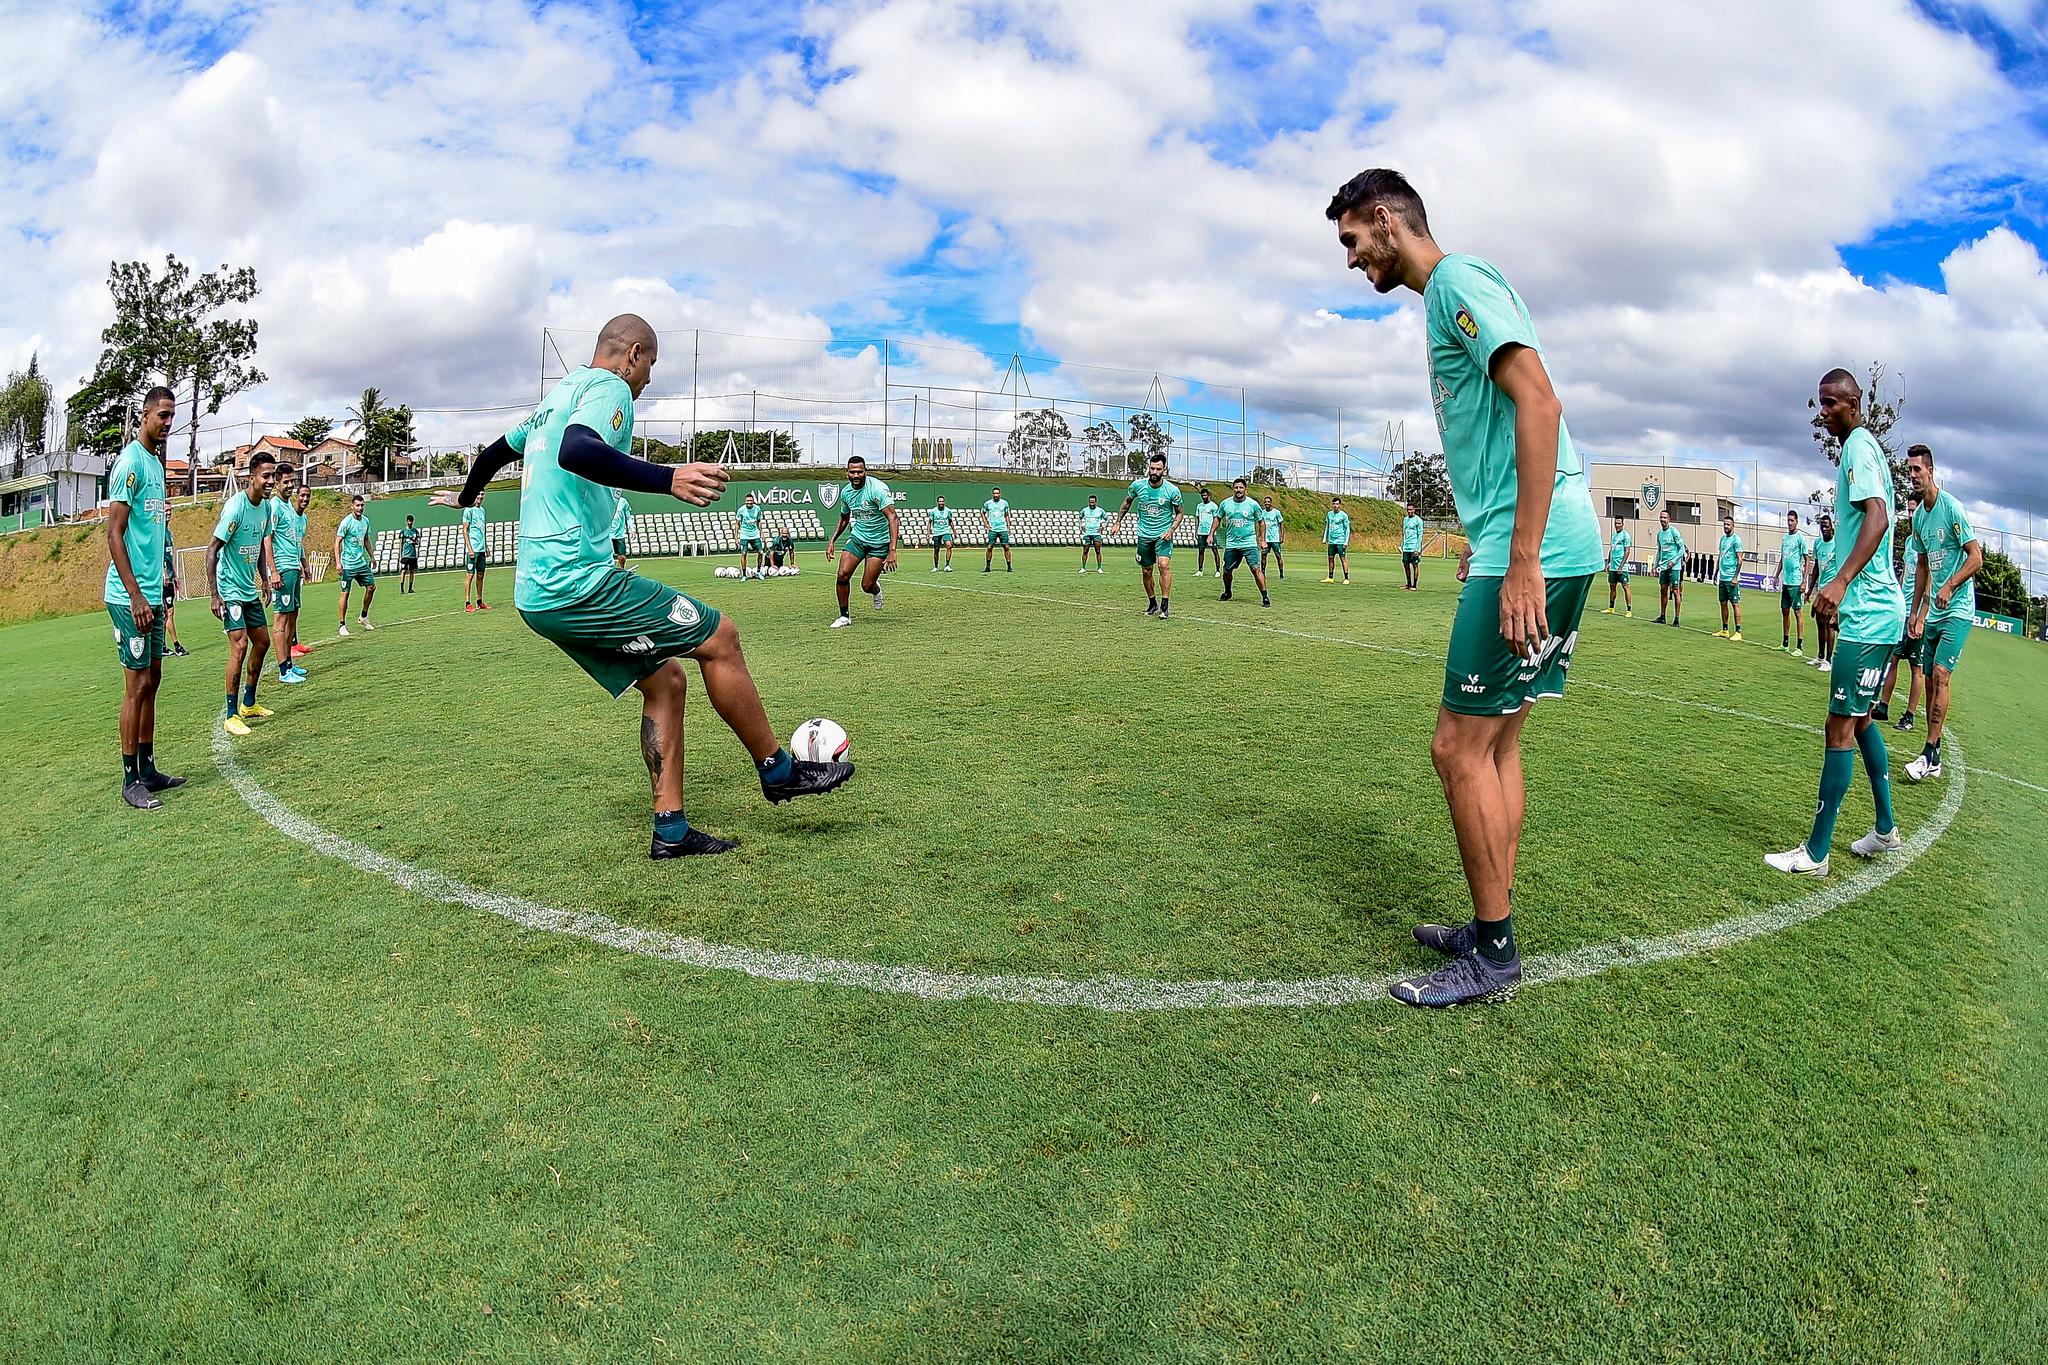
{"x": 683, "y": 612}
{"x": 1472, "y": 685}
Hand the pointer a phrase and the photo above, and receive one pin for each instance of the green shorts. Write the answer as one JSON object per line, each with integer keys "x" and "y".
{"x": 618, "y": 548}
{"x": 286, "y": 597}
{"x": 1482, "y": 676}
{"x": 1240, "y": 554}
{"x": 246, "y": 614}
{"x": 1942, "y": 644}
{"x": 999, "y": 537}
{"x": 1858, "y": 673}
{"x": 1091, "y": 540}
{"x": 1791, "y": 599}
{"x": 138, "y": 648}
{"x": 1206, "y": 540}
{"x": 860, "y": 549}
{"x": 1411, "y": 557}
{"x": 748, "y": 544}
{"x": 365, "y": 576}
{"x": 1340, "y": 551}
{"x": 942, "y": 537}
{"x": 1908, "y": 649}
{"x": 626, "y": 629}
{"x": 1671, "y": 577}
{"x": 1274, "y": 547}
{"x": 1617, "y": 578}
{"x": 1731, "y": 591}
{"x": 1152, "y": 549}
{"x": 477, "y": 560}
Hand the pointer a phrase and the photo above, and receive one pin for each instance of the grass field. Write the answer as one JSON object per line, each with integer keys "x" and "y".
{"x": 257, "y": 1102}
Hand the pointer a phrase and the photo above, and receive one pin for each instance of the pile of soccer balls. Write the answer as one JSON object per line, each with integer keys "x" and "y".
{"x": 731, "y": 571}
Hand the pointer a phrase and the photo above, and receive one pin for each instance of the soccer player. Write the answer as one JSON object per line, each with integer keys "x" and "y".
{"x": 1826, "y": 552}
{"x": 473, "y": 526}
{"x": 1337, "y": 540}
{"x": 352, "y": 553}
{"x": 1944, "y": 595}
{"x": 1618, "y": 546}
{"x": 622, "y": 525}
{"x": 1527, "y": 508}
{"x": 784, "y": 550}
{"x": 1862, "y": 596}
{"x": 138, "y": 531}
{"x": 867, "y": 518}
{"x": 1670, "y": 569}
{"x": 238, "y": 560}
{"x": 1159, "y": 504}
{"x": 287, "y": 539}
{"x": 997, "y": 510}
{"x": 942, "y": 536}
{"x": 408, "y": 556}
{"x": 750, "y": 538}
{"x": 1728, "y": 568}
{"x": 173, "y": 646}
{"x": 1274, "y": 521}
{"x": 1411, "y": 549}
{"x": 1206, "y": 513}
{"x": 1907, "y": 657}
{"x": 1793, "y": 552}
{"x": 1093, "y": 516}
{"x": 1244, "y": 534}
{"x": 626, "y": 631}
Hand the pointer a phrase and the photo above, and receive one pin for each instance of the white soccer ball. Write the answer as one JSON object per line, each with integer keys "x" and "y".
{"x": 819, "y": 741}
{"x": 724, "y": 571}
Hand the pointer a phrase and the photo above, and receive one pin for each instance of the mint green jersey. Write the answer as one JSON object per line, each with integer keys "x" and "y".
{"x": 1670, "y": 548}
{"x": 1618, "y": 546}
{"x": 1206, "y": 513}
{"x": 1275, "y": 521}
{"x": 287, "y": 535}
{"x": 565, "y": 545}
{"x": 1909, "y": 580}
{"x": 622, "y": 517}
{"x": 1825, "y": 551}
{"x": 1411, "y": 535}
{"x": 869, "y": 507}
{"x": 1092, "y": 519}
{"x": 1472, "y": 313}
{"x": 409, "y": 543}
{"x": 1731, "y": 557}
{"x": 1241, "y": 518}
{"x": 750, "y": 521}
{"x": 942, "y": 521}
{"x": 997, "y": 510}
{"x": 137, "y": 479}
{"x": 1336, "y": 528}
{"x": 1157, "y": 507}
{"x": 1793, "y": 552}
{"x": 473, "y": 522}
{"x": 354, "y": 533}
{"x": 1942, "y": 533}
{"x": 241, "y": 531}
{"x": 1873, "y": 608}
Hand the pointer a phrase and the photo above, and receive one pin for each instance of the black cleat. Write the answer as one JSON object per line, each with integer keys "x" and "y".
{"x": 1905, "y": 721}
{"x": 1450, "y": 942}
{"x": 1659, "y": 621}
{"x": 137, "y": 795}
{"x": 1880, "y": 712}
{"x": 162, "y": 782}
{"x": 1466, "y": 980}
{"x": 1152, "y": 609}
{"x": 1164, "y": 614}
{"x": 807, "y": 779}
{"x": 693, "y": 843}
{"x": 1265, "y": 601}
{"x": 179, "y": 651}
{"x": 1224, "y": 598}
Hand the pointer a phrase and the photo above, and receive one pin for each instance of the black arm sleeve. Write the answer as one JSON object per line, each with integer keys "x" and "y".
{"x": 495, "y": 457}
{"x": 585, "y": 453}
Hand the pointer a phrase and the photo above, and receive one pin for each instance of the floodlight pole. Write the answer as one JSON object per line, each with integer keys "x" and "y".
{"x": 696, "y": 347}
{"x": 885, "y": 400}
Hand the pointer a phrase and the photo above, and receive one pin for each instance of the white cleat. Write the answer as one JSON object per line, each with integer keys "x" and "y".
{"x": 365, "y": 624}
{"x": 344, "y": 630}
{"x": 1919, "y": 770}
{"x": 1098, "y": 571}
{"x": 1084, "y": 568}
{"x": 877, "y": 596}
{"x": 935, "y": 568}
{"x": 949, "y": 568}
{"x": 1873, "y": 843}
{"x": 1797, "y": 862}
{"x": 842, "y": 621}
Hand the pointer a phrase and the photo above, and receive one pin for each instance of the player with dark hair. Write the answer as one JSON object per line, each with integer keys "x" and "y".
{"x": 174, "y": 648}
{"x": 287, "y": 542}
{"x": 1159, "y": 504}
{"x": 751, "y": 544}
{"x": 1274, "y": 521}
{"x": 1527, "y": 508}
{"x": 623, "y": 630}
{"x": 867, "y": 518}
{"x": 997, "y": 512}
{"x": 1411, "y": 549}
{"x": 409, "y": 555}
{"x": 1906, "y": 658}
{"x": 1618, "y": 546}
{"x": 1093, "y": 517}
{"x": 1826, "y": 558}
{"x": 1244, "y": 536}
{"x": 942, "y": 535}
{"x": 1728, "y": 573}
{"x": 238, "y": 563}
{"x": 1337, "y": 539}
{"x": 352, "y": 557}
{"x": 1945, "y": 595}
{"x": 1670, "y": 569}
{"x": 1793, "y": 552}
{"x": 138, "y": 534}
{"x": 1206, "y": 512}
{"x": 476, "y": 538}
{"x": 621, "y": 528}
{"x": 1862, "y": 597}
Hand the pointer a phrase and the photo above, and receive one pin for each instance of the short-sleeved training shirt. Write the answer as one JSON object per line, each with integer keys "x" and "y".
{"x": 1337, "y": 528}
{"x": 354, "y": 534}
{"x": 241, "y": 531}
{"x": 565, "y": 520}
{"x": 1157, "y": 507}
{"x": 1873, "y": 609}
{"x": 1618, "y": 546}
{"x": 1241, "y": 518}
{"x": 287, "y": 535}
{"x": 869, "y": 507}
{"x": 1943, "y": 533}
{"x": 137, "y": 479}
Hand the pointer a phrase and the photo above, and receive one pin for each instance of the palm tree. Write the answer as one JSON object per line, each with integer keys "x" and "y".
{"x": 370, "y": 420}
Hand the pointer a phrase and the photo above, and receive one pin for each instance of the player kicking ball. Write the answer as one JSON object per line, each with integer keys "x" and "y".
{"x": 623, "y": 630}
{"x": 1862, "y": 598}
{"x": 1531, "y": 566}
{"x": 1618, "y": 546}
{"x": 1244, "y": 534}
{"x": 238, "y": 558}
{"x": 867, "y": 518}
{"x": 1158, "y": 503}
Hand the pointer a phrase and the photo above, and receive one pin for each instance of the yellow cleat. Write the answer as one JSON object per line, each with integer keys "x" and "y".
{"x": 252, "y": 711}
{"x": 1720, "y": 635}
{"x": 1630, "y": 615}
{"x": 1607, "y": 611}
{"x": 1329, "y": 580}
{"x": 233, "y": 725}
{"x": 1736, "y": 636}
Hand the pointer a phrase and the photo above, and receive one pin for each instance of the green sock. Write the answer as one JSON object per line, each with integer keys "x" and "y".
{"x": 1497, "y": 939}
{"x": 1836, "y": 772}
{"x": 1877, "y": 766}
{"x": 670, "y": 825}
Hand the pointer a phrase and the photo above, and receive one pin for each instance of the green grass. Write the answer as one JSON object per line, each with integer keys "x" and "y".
{"x": 255, "y": 1104}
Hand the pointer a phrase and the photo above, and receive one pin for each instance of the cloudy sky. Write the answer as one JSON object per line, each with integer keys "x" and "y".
{"x": 1703, "y": 211}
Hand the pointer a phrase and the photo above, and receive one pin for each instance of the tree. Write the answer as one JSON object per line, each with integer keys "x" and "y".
{"x": 2000, "y": 586}
{"x": 310, "y": 431}
{"x": 748, "y": 447}
{"x": 24, "y": 413}
{"x": 1880, "y": 415}
{"x": 1147, "y": 440}
{"x": 372, "y": 427}
{"x": 1038, "y": 441}
{"x": 1425, "y": 480}
{"x": 1269, "y": 476}
{"x": 218, "y": 350}
{"x": 1102, "y": 448}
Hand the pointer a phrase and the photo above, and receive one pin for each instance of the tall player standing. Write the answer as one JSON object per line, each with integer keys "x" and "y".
{"x": 1159, "y": 513}
{"x": 138, "y": 528}
{"x": 1944, "y": 605}
{"x": 1528, "y": 513}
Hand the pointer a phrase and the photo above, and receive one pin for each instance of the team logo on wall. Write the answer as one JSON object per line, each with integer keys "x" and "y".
{"x": 1653, "y": 495}
{"x": 828, "y": 494}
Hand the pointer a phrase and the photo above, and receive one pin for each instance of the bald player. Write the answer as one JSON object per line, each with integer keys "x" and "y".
{"x": 626, "y": 631}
